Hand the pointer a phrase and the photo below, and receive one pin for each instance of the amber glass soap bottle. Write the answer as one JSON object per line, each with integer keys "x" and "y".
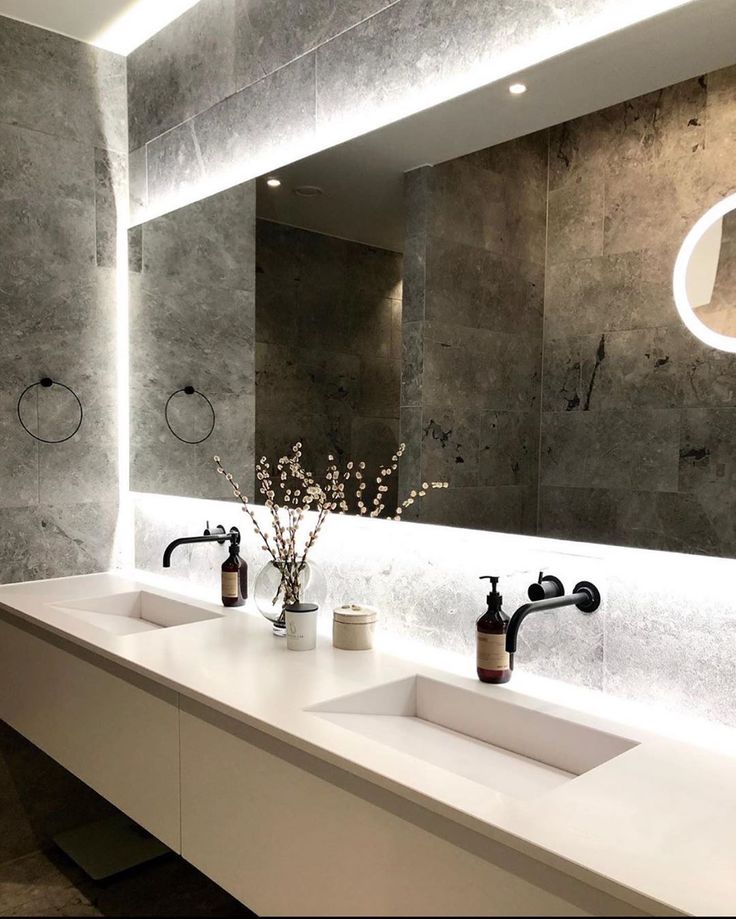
{"x": 234, "y": 578}
{"x": 494, "y": 665}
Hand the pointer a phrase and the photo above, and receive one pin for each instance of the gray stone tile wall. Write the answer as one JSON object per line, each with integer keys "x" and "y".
{"x": 261, "y": 84}
{"x": 328, "y": 331}
{"x": 636, "y": 426}
{"x": 63, "y": 181}
{"x": 473, "y": 335}
{"x": 192, "y": 323}
{"x": 633, "y": 445}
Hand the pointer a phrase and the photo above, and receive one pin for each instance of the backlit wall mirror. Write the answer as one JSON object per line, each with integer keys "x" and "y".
{"x": 705, "y": 276}
{"x": 506, "y": 311}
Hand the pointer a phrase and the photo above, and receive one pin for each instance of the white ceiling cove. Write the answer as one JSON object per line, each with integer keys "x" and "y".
{"x": 117, "y": 25}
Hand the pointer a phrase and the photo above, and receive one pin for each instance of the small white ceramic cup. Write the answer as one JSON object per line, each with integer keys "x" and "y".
{"x": 301, "y": 626}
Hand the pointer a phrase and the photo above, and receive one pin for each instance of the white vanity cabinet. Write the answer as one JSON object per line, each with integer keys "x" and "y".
{"x": 287, "y": 834}
{"x": 114, "y": 731}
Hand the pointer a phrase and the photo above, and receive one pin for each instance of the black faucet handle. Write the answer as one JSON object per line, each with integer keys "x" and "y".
{"x": 546, "y": 587}
{"x": 215, "y": 531}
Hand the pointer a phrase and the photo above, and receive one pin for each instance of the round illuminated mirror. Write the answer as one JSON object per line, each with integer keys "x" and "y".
{"x": 705, "y": 277}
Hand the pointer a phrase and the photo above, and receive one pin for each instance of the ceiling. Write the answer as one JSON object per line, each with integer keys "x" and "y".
{"x": 117, "y": 25}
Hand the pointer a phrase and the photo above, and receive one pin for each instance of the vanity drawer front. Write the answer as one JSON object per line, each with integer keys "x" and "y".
{"x": 278, "y": 830}
{"x": 115, "y": 732}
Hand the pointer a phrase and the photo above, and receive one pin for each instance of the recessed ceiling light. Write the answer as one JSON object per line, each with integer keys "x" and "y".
{"x": 273, "y": 182}
{"x": 516, "y": 89}
{"x": 308, "y": 191}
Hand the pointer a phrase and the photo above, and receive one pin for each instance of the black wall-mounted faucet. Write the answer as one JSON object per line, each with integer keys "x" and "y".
{"x": 218, "y": 534}
{"x": 546, "y": 594}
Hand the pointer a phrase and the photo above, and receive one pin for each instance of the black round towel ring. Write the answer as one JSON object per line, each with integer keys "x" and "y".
{"x": 47, "y": 382}
{"x": 190, "y": 391}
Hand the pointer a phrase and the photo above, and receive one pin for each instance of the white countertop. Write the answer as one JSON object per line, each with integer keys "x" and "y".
{"x": 655, "y": 826}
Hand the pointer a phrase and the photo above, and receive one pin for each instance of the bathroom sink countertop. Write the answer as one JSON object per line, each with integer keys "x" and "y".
{"x": 655, "y": 825}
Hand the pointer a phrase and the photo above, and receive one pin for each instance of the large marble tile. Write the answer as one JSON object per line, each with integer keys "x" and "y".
{"x": 628, "y": 369}
{"x": 467, "y": 204}
{"x": 695, "y": 523}
{"x": 720, "y": 126}
{"x": 374, "y": 323}
{"x": 708, "y": 450}
{"x": 184, "y": 335}
{"x": 632, "y": 290}
{"x": 482, "y": 208}
{"x": 503, "y": 509}
{"x": 85, "y": 467}
{"x": 661, "y": 125}
{"x": 47, "y": 193}
{"x": 299, "y": 382}
{"x": 563, "y": 388}
{"x": 53, "y": 541}
{"x": 654, "y": 206}
{"x": 59, "y": 86}
{"x": 410, "y": 434}
{"x": 639, "y": 368}
{"x": 137, "y": 184}
{"x": 709, "y": 375}
{"x": 477, "y": 368}
{"x": 111, "y": 202}
{"x": 508, "y": 448}
{"x": 523, "y": 164}
{"x": 416, "y": 51}
{"x": 60, "y": 319}
{"x": 310, "y": 24}
{"x": 199, "y": 59}
{"x": 412, "y": 362}
{"x": 277, "y": 311}
{"x": 575, "y": 220}
{"x": 414, "y": 280}
{"x": 470, "y": 286}
{"x": 162, "y": 464}
{"x": 220, "y": 47}
{"x": 450, "y": 444}
{"x": 208, "y": 243}
{"x": 19, "y": 469}
{"x": 38, "y": 167}
{"x": 267, "y": 123}
{"x": 619, "y": 449}
{"x": 64, "y": 233}
{"x": 379, "y": 388}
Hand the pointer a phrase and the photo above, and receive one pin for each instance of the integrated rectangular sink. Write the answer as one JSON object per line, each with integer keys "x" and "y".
{"x": 511, "y": 749}
{"x": 134, "y": 611}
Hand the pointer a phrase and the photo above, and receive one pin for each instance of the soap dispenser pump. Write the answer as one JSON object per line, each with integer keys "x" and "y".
{"x": 493, "y": 661}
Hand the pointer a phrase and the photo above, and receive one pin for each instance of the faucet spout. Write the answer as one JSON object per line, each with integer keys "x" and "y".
{"x": 585, "y": 596}
{"x": 219, "y": 536}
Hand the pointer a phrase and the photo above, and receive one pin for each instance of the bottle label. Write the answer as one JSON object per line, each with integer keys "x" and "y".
{"x": 230, "y": 584}
{"x": 492, "y": 654}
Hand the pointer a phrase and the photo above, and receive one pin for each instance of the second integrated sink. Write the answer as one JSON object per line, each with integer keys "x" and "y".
{"x": 134, "y": 611}
{"x": 514, "y": 750}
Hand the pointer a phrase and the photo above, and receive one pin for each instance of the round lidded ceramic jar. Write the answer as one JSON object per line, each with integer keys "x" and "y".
{"x": 353, "y": 627}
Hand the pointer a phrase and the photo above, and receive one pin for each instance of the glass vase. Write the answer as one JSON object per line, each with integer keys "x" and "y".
{"x": 271, "y": 596}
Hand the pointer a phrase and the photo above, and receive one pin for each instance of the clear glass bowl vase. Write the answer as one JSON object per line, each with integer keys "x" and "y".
{"x": 271, "y": 598}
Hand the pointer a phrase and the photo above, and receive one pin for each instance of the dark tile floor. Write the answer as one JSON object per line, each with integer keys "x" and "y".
{"x": 50, "y": 884}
